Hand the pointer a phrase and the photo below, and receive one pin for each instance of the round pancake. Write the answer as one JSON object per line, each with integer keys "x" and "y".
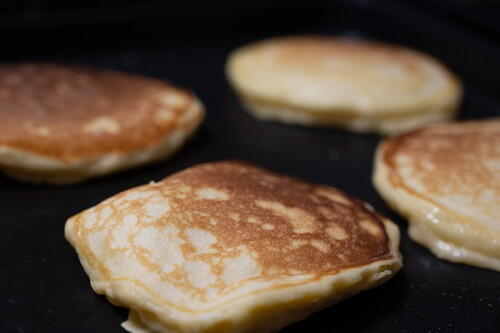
{"x": 359, "y": 85}
{"x": 446, "y": 180}
{"x": 230, "y": 247}
{"x": 61, "y": 124}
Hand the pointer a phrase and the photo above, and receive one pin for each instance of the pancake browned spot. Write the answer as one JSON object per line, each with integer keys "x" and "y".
{"x": 446, "y": 180}
{"x": 215, "y": 244}
{"x": 63, "y": 124}
{"x": 360, "y": 85}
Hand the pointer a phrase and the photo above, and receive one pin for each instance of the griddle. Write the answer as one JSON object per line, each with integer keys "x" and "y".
{"x": 43, "y": 287}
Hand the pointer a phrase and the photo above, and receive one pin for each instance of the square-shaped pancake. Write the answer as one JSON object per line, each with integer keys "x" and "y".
{"x": 228, "y": 247}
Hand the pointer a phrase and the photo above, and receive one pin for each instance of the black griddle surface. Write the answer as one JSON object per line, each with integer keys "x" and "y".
{"x": 43, "y": 287}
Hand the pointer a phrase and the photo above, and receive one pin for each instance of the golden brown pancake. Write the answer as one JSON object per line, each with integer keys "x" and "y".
{"x": 229, "y": 247}
{"x": 359, "y": 85}
{"x": 62, "y": 124}
{"x": 446, "y": 180}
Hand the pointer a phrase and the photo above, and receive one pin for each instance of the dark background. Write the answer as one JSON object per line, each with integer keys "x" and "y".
{"x": 42, "y": 285}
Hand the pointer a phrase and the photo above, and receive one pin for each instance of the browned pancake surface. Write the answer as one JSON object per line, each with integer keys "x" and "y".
{"x": 454, "y": 165}
{"x": 232, "y": 223}
{"x": 69, "y": 112}
{"x": 293, "y": 226}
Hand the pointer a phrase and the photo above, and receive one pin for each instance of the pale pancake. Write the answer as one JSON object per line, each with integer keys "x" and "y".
{"x": 446, "y": 180}
{"x": 229, "y": 247}
{"x": 359, "y": 85}
{"x": 61, "y": 124}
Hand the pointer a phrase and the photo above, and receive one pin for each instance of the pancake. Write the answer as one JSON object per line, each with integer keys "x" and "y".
{"x": 228, "y": 247}
{"x": 445, "y": 179}
{"x": 61, "y": 124}
{"x": 361, "y": 86}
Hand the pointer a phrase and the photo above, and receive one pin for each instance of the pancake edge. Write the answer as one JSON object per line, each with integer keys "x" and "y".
{"x": 381, "y": 123}
{"x": 433, "y": 227}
